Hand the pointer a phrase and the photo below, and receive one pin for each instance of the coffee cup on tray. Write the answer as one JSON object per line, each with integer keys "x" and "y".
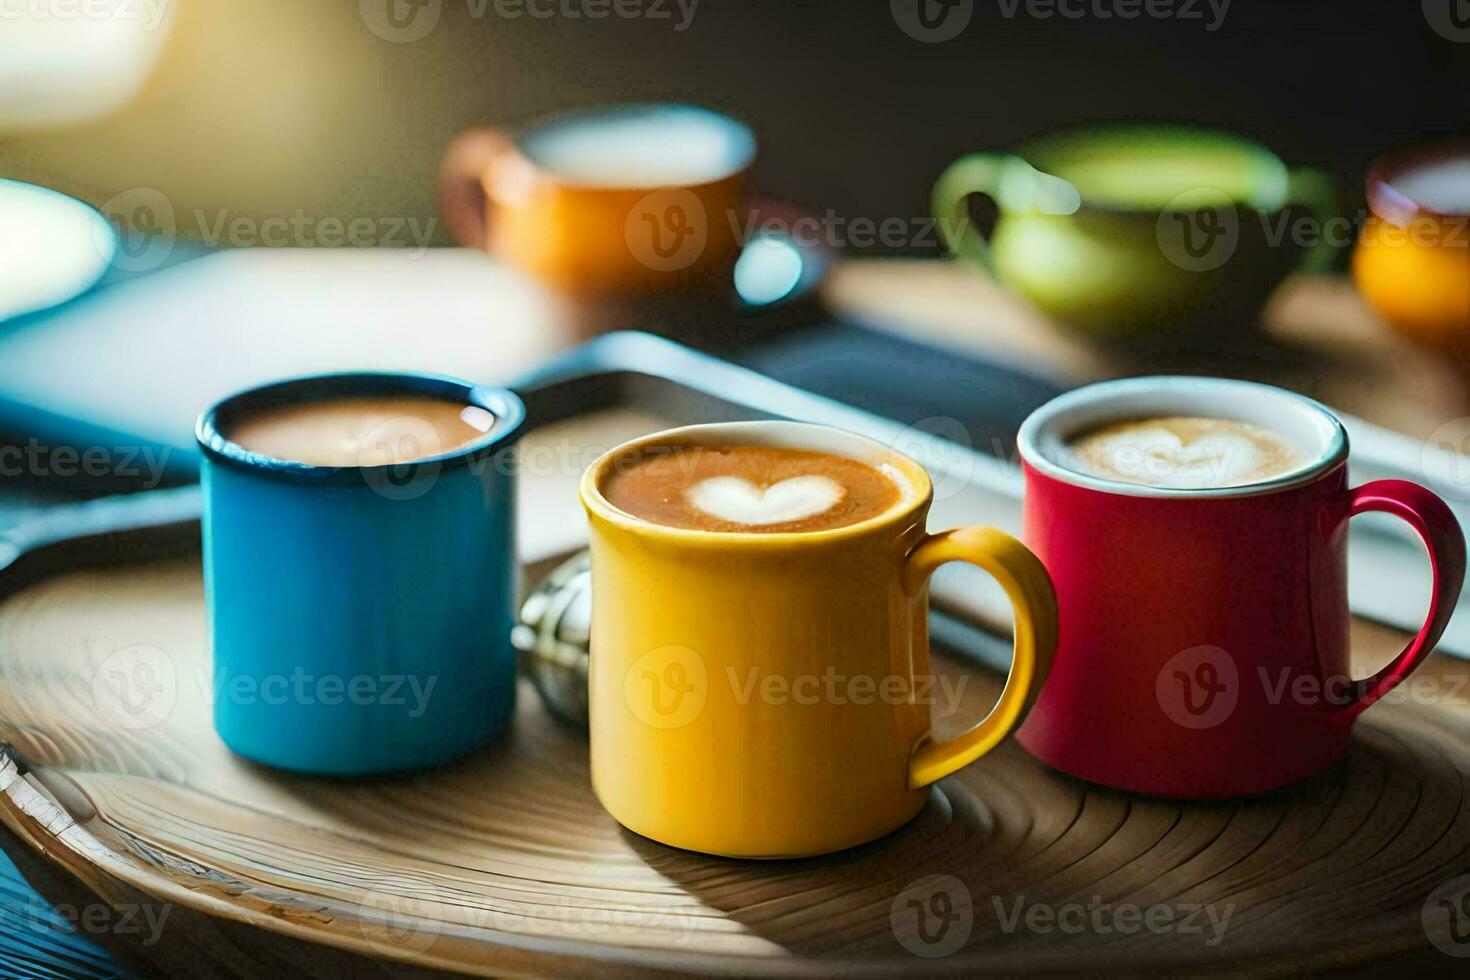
{"x": 360, "y": 569}
{"x": 1195, "y": 529}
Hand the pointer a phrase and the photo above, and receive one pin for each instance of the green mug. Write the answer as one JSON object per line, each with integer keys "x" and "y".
{"x": 1141, "y": 231}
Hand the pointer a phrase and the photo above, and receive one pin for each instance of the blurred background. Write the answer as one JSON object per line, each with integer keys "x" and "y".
{"x": 269, "y": 106}
{"x": 198, "y": 195}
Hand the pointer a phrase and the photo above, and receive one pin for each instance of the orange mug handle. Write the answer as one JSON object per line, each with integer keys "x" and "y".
{"x": 462, "y": 201}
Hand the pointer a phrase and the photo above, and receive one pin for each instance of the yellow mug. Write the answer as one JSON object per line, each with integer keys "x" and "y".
{"x": 766, "y": 695}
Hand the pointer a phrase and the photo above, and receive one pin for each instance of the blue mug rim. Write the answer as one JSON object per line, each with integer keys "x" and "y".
{"x": 504, "y": 404}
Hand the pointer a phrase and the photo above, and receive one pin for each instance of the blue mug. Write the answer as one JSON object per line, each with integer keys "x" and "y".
{"x": 361, "y": 615}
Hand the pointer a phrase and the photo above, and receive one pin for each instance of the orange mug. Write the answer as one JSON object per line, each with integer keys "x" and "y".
{"x": 626, "y": 200}
{"x": 1412, "y": 261}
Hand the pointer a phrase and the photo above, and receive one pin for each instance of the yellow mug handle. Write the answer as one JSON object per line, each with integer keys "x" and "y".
{"x": 1034, "y": 601}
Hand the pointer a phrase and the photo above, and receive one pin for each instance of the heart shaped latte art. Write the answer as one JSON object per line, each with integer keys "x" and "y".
{"x": 1159, "y": 457}
{"x": 739, "y": 501}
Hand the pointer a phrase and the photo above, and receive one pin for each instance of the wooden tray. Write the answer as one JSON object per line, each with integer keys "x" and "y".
{"x": 505, "y": 864}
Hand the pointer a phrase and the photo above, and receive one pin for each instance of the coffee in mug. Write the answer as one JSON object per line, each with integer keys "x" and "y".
{"x": 683, "y": 749}
{"x": 604, "y": 203}
{"x": 1203, "y": 628}
{"x": 1184, "y": 451}
{"x": 359, "y": 532}
{"x": 752, "y": 489}
{"x": 362, "y": 430}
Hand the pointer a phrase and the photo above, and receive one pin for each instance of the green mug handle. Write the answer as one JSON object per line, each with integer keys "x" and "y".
{"x": 1317, "y": 192}
{"x": 976, "y": 173}
{"x": 1010, "y": 181}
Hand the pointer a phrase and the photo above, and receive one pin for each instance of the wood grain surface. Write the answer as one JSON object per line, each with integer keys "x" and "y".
{"x": 504, "y": 862}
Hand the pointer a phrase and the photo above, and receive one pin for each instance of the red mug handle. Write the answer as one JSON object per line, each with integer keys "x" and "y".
{"x": 1437, "y": 526}
{"x": 462, "y": 201}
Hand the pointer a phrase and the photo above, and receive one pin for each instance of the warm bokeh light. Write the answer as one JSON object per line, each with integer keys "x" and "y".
{"x": 63, "y": 62}
{"x": 51, "y": 248}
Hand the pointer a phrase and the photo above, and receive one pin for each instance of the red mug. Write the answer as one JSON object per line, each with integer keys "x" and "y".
{"x": 1203, "y": 647}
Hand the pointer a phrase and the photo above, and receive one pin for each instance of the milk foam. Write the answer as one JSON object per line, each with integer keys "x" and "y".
{"x": 1442, "y": 186}
{"x": 732, "y": 498}
{"x": 1185, "y": 453}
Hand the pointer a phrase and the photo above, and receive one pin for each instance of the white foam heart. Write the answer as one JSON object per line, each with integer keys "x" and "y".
{"x": 736, "y": 499}
{"x": 1159, "y": 457}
